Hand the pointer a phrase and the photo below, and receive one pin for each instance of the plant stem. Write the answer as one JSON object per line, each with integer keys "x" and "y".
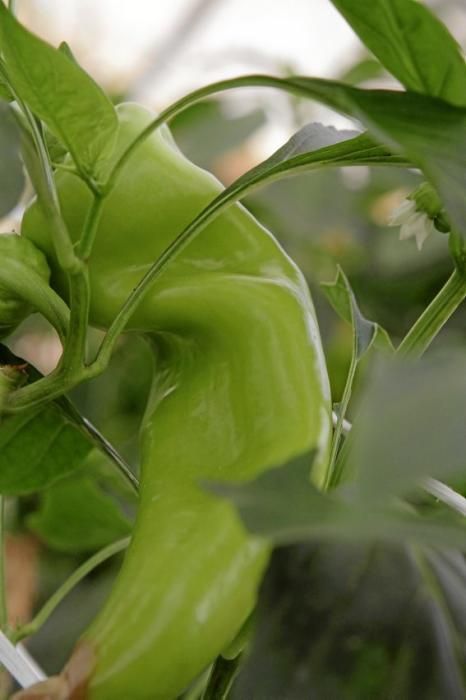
{"x": 429, "y": 324}
{"x": 90, "y": 227}
{"x": 221, "y": 678}
{"x": 3, "y": 605}
{"x": 81, "y": 572}
{"x": 74, "y": 355}
{"x": 333, "y": 477}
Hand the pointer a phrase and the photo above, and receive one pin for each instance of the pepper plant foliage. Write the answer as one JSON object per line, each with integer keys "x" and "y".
{"x": 367, "y": 576}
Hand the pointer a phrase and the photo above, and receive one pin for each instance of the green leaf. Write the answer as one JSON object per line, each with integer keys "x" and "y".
{"x": 367, "y": 333}
{"x": 358, "y": 622}
{"x": 312, "y": 147}
{"x": 431, "y": 133}
{"x": 11, "y": 169}
{"x": 410, "y": 424}
{"x": 264, "y": 507}
{"x": 38, "y": 447}
{"x": 77, "y": 516}
{"x": 58, "y": 91}
{"x": 411, "y": 43}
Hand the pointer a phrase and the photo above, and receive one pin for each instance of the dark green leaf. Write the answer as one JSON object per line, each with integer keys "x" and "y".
{"x": 11, "y": 169}
{"x": 427, "y": 130}
{"x": 357, "y": 622}
{"x": 367, "y": 333}
{"x": 77, "y": 516}
{"x": 283, "y": 506}
{"x": 38, "y": 447}
{"x": 411, "y": 423}
{"x": 58, "y": 91}
{"x": 42, "y": 445}
{"x": 411, "y": 43}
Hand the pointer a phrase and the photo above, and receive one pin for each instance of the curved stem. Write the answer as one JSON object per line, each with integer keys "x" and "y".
{"x": 81, "y": 572}
{"x": 430, "y": 323}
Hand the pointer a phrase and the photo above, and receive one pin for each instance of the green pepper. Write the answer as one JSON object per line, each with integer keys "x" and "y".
{"x": 240, "y": 385}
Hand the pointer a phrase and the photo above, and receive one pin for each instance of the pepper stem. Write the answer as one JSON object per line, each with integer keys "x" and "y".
{"x": 432, "y": 320}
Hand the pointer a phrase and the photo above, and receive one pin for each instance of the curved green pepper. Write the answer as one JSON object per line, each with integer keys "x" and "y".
{"x": 240, "y": 384}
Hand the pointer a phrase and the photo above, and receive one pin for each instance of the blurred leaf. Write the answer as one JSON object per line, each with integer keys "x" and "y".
{"x": 204, "y": 131}
{"x": 411, "y": 423}
{"x": 77, "y": 516}
{"x": 362, "y": 71}
{"x": 357, "y": 622}
{"x": 285, "y": 507}
{"x": 58, "y": 91}
{"x": 11, "y": 168}
{"x": 341, "y": 297}
{"x": 429, "y": 131}
{"x": 411, "y": 43}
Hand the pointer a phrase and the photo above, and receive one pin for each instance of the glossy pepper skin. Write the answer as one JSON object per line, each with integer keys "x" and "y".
{"x": 240, "y": 385}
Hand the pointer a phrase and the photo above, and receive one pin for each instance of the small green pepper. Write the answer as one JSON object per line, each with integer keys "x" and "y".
{"x": 240, "y": 385}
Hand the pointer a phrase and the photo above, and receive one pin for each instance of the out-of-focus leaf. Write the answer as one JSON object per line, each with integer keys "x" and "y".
{"x": 11, "y": 169}
{"x": 284, "y": 507}
{"x": 428, "y": 131}
{"x": 204, "y": 132}
{"x": 77, "y": 516}
{"x": 411, "y": 43}
{"x": 362, "y": 71}
{"x": 411, "y": 423}
{"x": 341, "y": 297}
{"x": 357, "y": 622}
{"x": 58, "y": 91}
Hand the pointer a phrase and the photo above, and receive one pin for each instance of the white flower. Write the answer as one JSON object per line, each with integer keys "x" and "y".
{"x": 414, "y": 224}
{"x": 402, "y": 214}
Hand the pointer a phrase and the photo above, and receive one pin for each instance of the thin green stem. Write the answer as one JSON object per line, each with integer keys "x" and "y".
{"x": 429, "y": 324}
{"x": 81, "y": 572}
{"x": 3, "y": 605}
{"x": 51, "y": 387}
{"x": 90, "y": 227}
{"x": 314, "y": 88}
{"x": 333, "y": 475}
{"x": 221, "y": 678}
{"x": 12, "y": 6}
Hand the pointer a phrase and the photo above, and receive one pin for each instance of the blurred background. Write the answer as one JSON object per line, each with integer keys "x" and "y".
{"x": 154, "y": 52}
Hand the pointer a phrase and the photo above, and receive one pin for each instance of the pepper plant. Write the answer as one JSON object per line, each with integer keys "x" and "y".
{"x": 253, "y": 489}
